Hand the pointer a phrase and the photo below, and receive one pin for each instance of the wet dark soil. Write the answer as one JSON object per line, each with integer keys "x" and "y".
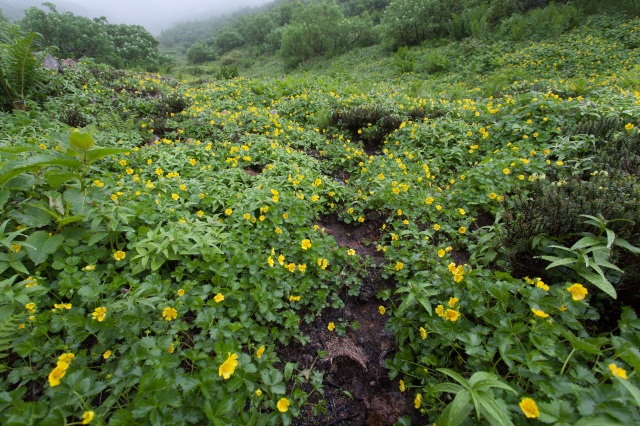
{"x": 356, "y": 385}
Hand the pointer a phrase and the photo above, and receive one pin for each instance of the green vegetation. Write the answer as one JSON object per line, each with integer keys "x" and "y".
{"x": 167, "y": 247}
{"x": 75, "y": 37}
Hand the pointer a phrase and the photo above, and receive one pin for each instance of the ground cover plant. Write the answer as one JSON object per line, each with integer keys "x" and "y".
{"x": 228, "y": 251}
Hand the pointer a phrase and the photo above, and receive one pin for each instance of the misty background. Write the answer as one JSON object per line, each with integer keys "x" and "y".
{"x": 154, "y": 15}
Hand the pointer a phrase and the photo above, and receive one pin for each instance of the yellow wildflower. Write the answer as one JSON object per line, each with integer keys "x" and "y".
{"x": 228, "y": 367}
{"x": 529, "y": 408}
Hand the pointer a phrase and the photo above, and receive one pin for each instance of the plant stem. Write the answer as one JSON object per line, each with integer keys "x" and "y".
{"x": 566, "y": 361}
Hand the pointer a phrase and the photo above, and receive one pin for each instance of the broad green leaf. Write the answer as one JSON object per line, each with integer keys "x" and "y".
{"x": 457, "y": 411}
{"x": 4, "y": 197}
{"x": 455, "y": 376}
{"x": 42, "y": 245}
{"x": 631, "y": 388}
{"x": 98, "y": 153}
{"x": 57, "y": 178}
{"x": 495, "y": 412}
{"x": 81, "y": 141}
{"x": 587, "y": 241}
{"x": 558, "y": 261}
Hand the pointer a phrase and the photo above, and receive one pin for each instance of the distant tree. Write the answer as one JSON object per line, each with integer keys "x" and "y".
{"x": 409, "y": 22}
{"x": 228, "y": 39}
{"x": 201, "y": 52}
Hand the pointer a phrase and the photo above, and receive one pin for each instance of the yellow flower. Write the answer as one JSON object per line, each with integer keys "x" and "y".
{"x": 66, "y": 358}
{"x": 331, "y": 326}
{"x": 453, "y": 301}
{"x": 462, "y": 212}
{"x": 441, "y": 253}
{"x": 302, "y": 268}
{"x": 294, "y": 298}
{"x": 218, "y": 298}
{"x": 436, "y": 227}
{"x": 175, "y": 196}
{"x": 493, "y": 195}
{"x": 57, "y": 373}
{"x": 30, "y": 306}
{"x": 578, "y": 291}
{"x": 258, "y": 392}
{"x": 181, "y": 292}
{"x": 106, "y": 354}
{"x": 423, "y": 333}
{"x": 246, "y": 216}
{"x": 169, "y": 313}
{"x": 228, "y": 367}
{"x": 260, "y": 351}
{"x": 617, "y": 371}
{"x": 306, "y": 244}
{"x": 228, "y": 212}
{"x": 171, "y": 348}
{"x": 429, "y": 201}
{"x": 462, "y": 230}
{"x": 629, "y": 126}
{"x": 506, "y": 171}
{"x": 281, "y": 260}
{"x": 15, "y": 247}
{"x": 529, "y": 408}
{"x": 283, "y": 405}
{"x": 87, "y": 417}
{"x": 119, "y": 255}
{"x": 399, "y": 266}
{"x": 539, "y": 313}
{"x": 451, "y": 315}
{"x": 381, "y": 309}
{"x": 291, "y": 267}
{"x": 99, "y": 313}
{"x": 402, "y": 388}
{"x": 89, "y": 268}
{"x": 458, "y": 277}
{"x": 440, "y": 310}
{"x": 418, "y": 401}
{"x": 351, "y": 252}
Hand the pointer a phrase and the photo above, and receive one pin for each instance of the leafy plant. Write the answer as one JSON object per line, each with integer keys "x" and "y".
{"x": 591, "y": 254}
{"x": 20, "y": 73}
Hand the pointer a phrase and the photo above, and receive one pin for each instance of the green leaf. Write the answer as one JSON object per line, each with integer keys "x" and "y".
{"x": 97, "y": 153}
{"x": 81, "y": 141}
{"x": 457, "y": 411}
{"x": 580, "y": 344}
{"x": 494, "y": 411}
{"x": 445, "y": 387}
{"x": 4, "y": 197}
{"x": 57, "y": 178}
{"x": 559, "y": 261}
{"x": 43, "y": 245}
{"x": 587, "y": 241}
{"x": 625, "y": 244}
{"x": 288, "y": 370}
{"x": 455, "y": 376}
{"x": 635, "y": 393}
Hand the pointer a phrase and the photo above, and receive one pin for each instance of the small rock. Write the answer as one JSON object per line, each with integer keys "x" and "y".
{"x": 50, "y": 63}
{"x": 68, "y": 63}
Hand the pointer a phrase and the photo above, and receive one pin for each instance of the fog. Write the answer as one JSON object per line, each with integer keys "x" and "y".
{"x": 154, "y": 15}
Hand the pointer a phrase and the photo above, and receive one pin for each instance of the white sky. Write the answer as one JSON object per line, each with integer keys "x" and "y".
{"x": 157, "y": 15}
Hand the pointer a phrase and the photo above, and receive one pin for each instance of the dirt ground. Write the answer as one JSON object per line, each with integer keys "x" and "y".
{"x": 357, "y": 389}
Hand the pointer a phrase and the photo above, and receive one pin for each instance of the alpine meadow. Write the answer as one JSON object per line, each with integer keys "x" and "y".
{"x": 323, "y": 212}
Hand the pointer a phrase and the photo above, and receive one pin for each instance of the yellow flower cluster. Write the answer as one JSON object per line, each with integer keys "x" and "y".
{"x": 61, "y": 369}
{"x": 457, "y": 271}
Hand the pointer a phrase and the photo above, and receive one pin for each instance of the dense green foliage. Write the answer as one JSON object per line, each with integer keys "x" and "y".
{"x": 20, "y": 70}
{"x": 75, "y": 37}
{"x": 157, "y": 264}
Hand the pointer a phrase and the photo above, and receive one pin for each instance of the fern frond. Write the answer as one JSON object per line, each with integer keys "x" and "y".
{"x": 19, "y": 69}
{"x": 8, "y": 327}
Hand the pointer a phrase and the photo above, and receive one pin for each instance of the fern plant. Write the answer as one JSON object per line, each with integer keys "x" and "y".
{"x": 20, "y": 72}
